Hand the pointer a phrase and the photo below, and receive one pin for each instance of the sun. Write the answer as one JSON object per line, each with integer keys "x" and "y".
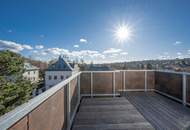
{"x": 123, "y": 33}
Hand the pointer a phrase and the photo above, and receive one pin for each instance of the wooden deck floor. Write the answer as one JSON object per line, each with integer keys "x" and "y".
{"x": 160, "y": 111}
{"x": 109, "y": 114}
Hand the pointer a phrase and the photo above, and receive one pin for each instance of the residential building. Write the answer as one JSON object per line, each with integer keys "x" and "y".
{"x": 59, "y": 71}
{"x": 31, "y": 72}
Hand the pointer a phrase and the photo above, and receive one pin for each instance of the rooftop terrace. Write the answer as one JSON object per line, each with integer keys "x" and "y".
{"x": 108, "y": 100}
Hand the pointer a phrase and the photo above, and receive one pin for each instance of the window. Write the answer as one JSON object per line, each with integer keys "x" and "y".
{"x": 49, "y": 77}
{"x": 29, "y": 72}
{"x": 34, "y": 72}
{"x": 55, "y": 77}
{"x": 62, "y": 77}
{"x": 34, "y": 78}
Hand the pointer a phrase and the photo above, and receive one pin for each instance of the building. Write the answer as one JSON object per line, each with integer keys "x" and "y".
{"x": 59, "y": 71}
{"x": 31, "y": 72}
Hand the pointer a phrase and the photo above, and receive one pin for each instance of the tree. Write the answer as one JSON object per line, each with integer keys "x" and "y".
{"x": 11, "y": 63}
{"x": 14, "y": 90}
{"x": 149, "y": 66}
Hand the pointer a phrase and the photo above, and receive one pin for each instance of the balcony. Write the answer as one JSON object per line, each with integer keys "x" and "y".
{"x": 130, "y": 99}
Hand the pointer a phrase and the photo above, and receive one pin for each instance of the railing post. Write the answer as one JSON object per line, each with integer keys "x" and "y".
{"x": 124, "y": 80}
{"x": 145, "y": 81}
{"x": 184, "y": 88}
{"x": 114, "y": 84}
{"x": 91, "y": 86}
{"x": 78, "y": 88}
{"x": 68, "y": 108}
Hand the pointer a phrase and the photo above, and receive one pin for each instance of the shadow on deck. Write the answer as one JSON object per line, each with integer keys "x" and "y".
{"x": 136, "y": 110}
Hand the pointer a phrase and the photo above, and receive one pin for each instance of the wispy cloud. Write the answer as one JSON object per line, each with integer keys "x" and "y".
{"x": 10, "y": 31}
{"x": 188, "y": 51}
{"x": 13, "y": 46}
{"x": 165, "y": 53}
{"x": 177, "y": 43}
{"x": 82, "y": 40}
{"x": 76, "y": 46}
{"x": 39, "y": 46}
{"x": 112, "y": 50}
{"x": 42, "y": 36}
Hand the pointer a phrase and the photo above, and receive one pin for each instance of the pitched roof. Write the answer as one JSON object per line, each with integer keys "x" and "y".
{"x": 29, "y": 66}
{"x": 60, "y": 65}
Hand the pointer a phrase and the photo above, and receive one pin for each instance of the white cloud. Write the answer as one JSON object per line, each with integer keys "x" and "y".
{"x": 43, "y": 53}
{"x": 82, "y": 40}
{"x": 164, "y": 57}
{"x": 56, "y": 51}
{"x": 39, "y": 46}
{"x": 35, "y": 51}
{"x": 124, "y": 53}
{"x": 27, "y": 47}
{"x": 82, "y": 53}
{"x": 188, "y": 51}
{"x": 179, "y": 53}
{"x": 107, "y": 56}
{"x": 101, "y": 56}
{"x": 112, "y": 50}
{"x": 76, "y": 46}
{"x": 13, "y": 46}
{"x": 177, "y": 43}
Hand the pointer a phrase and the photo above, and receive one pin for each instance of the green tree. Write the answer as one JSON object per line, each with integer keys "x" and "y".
{"x": 11, "y": 63}
{"x": 149, "y": 66}
{"x": 14, "y": 90}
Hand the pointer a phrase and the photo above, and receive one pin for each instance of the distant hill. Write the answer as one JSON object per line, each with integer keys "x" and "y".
{"x": 173, "y": 64}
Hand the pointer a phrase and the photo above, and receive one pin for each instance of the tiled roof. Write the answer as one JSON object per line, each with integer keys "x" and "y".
{"x": 60, "y": 65}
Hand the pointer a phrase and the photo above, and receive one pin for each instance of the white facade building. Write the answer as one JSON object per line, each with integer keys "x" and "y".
{"x": 31, "y": 73}
{"x": 59, "y": 71}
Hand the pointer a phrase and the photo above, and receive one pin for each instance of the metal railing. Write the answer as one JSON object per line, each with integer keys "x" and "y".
{"x": 59, "y": 104}
{"x": 35, "y": 107}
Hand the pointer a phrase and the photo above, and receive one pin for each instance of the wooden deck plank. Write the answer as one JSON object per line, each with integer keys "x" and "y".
{"x": 109, "y": 114}
{"x": 132, "y": 126}
{"x": 160, "y": 111}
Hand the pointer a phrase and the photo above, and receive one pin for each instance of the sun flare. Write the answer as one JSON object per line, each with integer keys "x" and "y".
{"x": 122, "y": 33}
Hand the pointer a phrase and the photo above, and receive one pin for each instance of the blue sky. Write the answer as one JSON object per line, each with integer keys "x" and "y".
{"x": 44, "y": 29}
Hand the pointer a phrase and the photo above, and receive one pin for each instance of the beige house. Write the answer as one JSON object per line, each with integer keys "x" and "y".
{"x": 31, "y": 72}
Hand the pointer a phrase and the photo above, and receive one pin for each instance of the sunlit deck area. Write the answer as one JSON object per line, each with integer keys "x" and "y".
{"x": 135, "y": 110}
{"x": 108, "y": 100}
{"x": 109, "y": 113}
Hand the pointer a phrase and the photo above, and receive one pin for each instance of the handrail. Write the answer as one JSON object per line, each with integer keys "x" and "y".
{"x": 10, "y": 118}
{"x": 173, "y": 72}
{"x": 110, "y": 71}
